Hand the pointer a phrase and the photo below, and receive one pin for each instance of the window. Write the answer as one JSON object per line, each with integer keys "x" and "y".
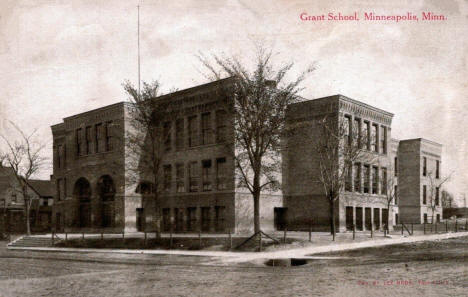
{"x": 375, "y": 180}
{"x": 424, "y": 166}
{"x": 179, "y": 134}
{"x": 14, "y": 198}
{"x": 206, "y": 175}
{"x": 375, "y": 138}
{"x": 180, "y": 176}
{"x": 179, "y": 219}
{"x": 425, "y": 218}
{"x": 166, "y": 218}
{"x": 395, "y": 166}
{"x": 59, "y": 189}
{"x": 221, "y": 172}
{"x": 193, "y": 131}
{"x": 206, "y": 128}
{"x": 109, "y": 144}
{"x": 424, "y": 194}
{"x": 438, "y": 218}
{"x": 437, "y": 197}
{"x": 98, "y": 138}
{"x": 437, "y": 169}
{"x": 357, "y": 129}
{"x": 366, "y": 178}
{"x": 167, "y": 177}
{"x": 384, "y": 181}
{"x": 79, "y": 148}
{"x": 60, "y": 160}
{"x": 88, "y": 140}
{"x": 367, "y": 134}
{"x": 383, "y": 139}
{"x": 348, "y": 130}
{"x": 357, "y": 177}
{"x": 395, "y": 194}
{"x": 193, "y": 177}
{"x": 221, "y": 127}
{"x": 349, "y": 172}
{"x": 167, "y": 136}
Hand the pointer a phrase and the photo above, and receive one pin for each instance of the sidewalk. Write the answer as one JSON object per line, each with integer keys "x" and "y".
{"x": 236, "y": 257}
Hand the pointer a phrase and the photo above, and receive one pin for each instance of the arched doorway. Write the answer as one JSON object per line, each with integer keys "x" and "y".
{"x": 82, "y": 192}
{"x": 106, "y": 190}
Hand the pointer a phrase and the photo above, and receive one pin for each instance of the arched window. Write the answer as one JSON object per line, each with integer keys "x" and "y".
{"x": 106, "y": 190}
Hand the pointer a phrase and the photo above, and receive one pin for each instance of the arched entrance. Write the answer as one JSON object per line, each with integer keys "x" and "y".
{"x": 106, "y": 190}
{"x": 82, "y": 192}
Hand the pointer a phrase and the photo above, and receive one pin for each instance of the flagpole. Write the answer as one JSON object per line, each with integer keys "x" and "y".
{"x": 138, "y": 50}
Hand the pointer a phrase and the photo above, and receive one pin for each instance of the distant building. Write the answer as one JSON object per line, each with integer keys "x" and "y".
{"x": 95, "y": 191}
{"x": 12, "y": 213}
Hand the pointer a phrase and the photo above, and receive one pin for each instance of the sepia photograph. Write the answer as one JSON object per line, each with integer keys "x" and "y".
{"x": 233, "y": 148}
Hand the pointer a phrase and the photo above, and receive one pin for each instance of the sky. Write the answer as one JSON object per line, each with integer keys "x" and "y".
{"x": 59, "y": 58}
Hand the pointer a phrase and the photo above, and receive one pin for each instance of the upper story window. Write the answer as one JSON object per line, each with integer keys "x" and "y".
{"x": 78, "y": 140}
{"x": 358, "y": 130}
{"x": 179, "y": 126}
{"x": 180, "y": 178}
{"x": 349, "y": 176}
{"x": 88, "y": 140}
{"x": 383, "y": 139}
{"x": 367, "y": 134}
{"x": 14, "y": 197}
{"x": 206, "y": 175}
{"x": 221, "y": 126}
{"x": 437, "y": 196}
{"x": 193, "y": 131}
{"x": 384, "y": 181}
{"x": 193, "y": 177}
{"x": 375, "y": 180}
{"x": 357, "y": 177}
{"x": 395, "y": 166}
{"x": 206, "y": 128}
{"x": 424, "y": 166}
{"x": 60, "y": 156}
{"x": 437, "y": 169}
{"x": 366, "y": 178}
{"x": 424, "y": 194}
{"x": 109, "y": 136}
{"x": 221, "y": 172}
{"x": 99, "y": 138}
{"x": 348, "y": 129}
{"x": 395, "y": 194}
{"x": 375, "y": 138}
{"x": 167, "y": 177}
{"x": 167, "y": 136}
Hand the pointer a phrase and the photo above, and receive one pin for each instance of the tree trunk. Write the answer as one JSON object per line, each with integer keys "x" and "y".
{"x": 157, "y": 215}
{"x": 332, "y": 217}
{"x": 256, "y": 198}
{"x": 388, "y": 218}
{"x": 27, "y": 209}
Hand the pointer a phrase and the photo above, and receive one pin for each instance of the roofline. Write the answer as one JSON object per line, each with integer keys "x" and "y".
{"x": 196, "y": 88}
{"x": 342, "y": 97}
{"x": 93, "y": 110}
{"x": 423, "y": 140}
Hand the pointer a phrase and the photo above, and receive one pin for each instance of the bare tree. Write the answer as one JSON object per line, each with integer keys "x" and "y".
{"x": 257, "y": 100}
{"x": 435, "y": 186}
{"x": 23, "y": 155}
{"x": 338, "y": 146}
{"x": 391, "y": 195}
{"x": 147, "y": 141}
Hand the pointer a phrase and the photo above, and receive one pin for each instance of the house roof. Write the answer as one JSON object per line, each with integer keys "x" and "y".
{"x": 43, "y": 188}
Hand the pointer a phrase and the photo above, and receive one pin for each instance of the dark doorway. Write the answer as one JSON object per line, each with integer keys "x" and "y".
{"x": 205, "y": 219}
{"x": 349, "y": 218}
{"x": 140, "y": 219}
{"x": 397, "y": 221}
{"x": 179, "y": 219}
{"x": 280, "y": 218}
{"x": 368, "y": 212}
{"x": 377, "y": 218}
{"x": 82, "y": 192}
{"x": 359, "y": 225}
{"x": 191, "y": 218}
{"x": 166, "y": 219}
{"x": 438, "y": 218}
